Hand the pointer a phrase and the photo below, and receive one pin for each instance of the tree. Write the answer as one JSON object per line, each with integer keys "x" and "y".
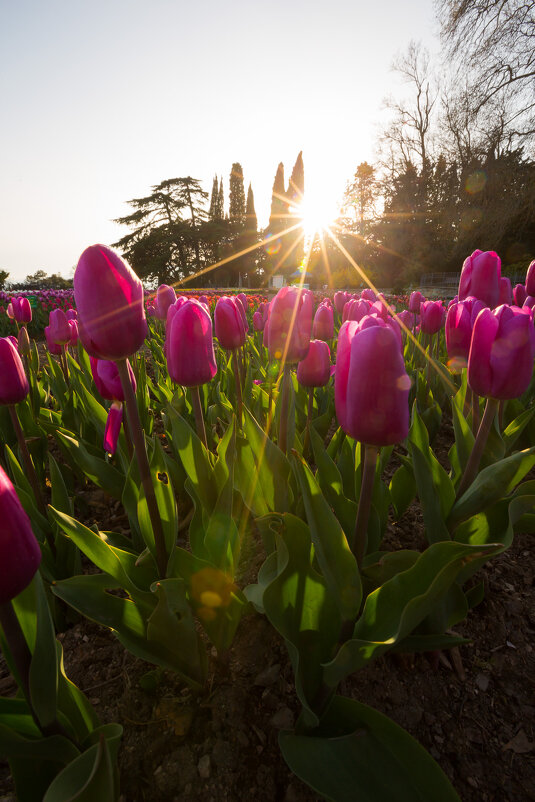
{"x": 213, "y": 213}
{"x": 296, "y": 185}
{"x": 4, "y": 275}
{"x": 361, "y": 195}
{"x": 164, "y": 244}
{"x": 499, "y": 35}
{"x": 236, "y": 198}
{"x": 250, "y": 236}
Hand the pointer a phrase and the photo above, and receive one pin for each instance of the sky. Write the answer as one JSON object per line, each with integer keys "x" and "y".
{"x": 101, "y": 99}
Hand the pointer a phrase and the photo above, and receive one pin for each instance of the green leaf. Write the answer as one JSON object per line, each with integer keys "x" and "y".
{"x": 492, "y": 483}
{"x": 165, "y": 499}
{"x": 396, "y": 608}
{"x": 360, "y": 755}
{"x": 195, "y": 459}
{"x": 95, "y": 468}
{"x": 402, "y": 490}
{"x": 336, "y": 561}
{"x": 435, "y": 488}
{"x": 89, "y": 777}
{"x": 272, "y": 469}
{"x": 464, "y": 439}
{"x": 516, "y": 427}
{"x": 43, "y": 667}
{"x": 330, "y": 481}
{"x": 300, "y": 607}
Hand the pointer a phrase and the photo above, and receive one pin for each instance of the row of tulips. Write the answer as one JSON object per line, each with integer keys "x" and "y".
{"x": 245, "y": 421}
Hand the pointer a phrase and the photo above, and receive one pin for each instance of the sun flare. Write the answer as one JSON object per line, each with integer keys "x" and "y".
{"x": 316, "y": 212}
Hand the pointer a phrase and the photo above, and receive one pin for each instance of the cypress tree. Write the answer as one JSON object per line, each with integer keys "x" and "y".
{"x": 237, "y": 197}
{"x": 296, "y": 185}
{"x": 221, "y": 202}
{"x": 214, "y": 200}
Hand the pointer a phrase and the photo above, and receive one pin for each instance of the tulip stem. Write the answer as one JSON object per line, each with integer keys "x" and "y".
{"x": 237, "y": 379}
{"x": 30, "y": 470}
{"x": 358, "y": 547}
{"x": 475, "y": 413}
{"x": 199, "y": 417}
{"x": 140, "y": 450}
{"x": 64, "y": 365}
{"x": 22, "y": 658}
{"x": 310, "y": 407}
{"x": 283, "y": 423}
{"x": 474, "y": 459}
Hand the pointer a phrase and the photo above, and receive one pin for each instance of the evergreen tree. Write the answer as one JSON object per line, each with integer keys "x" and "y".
{"x": 279, "y": 206}
{"x": 296, "y": 185}
{"x": 221, "y": 202}
{"x": 214, "y": 200}
{"x": 250, "y": 238}
{"x": 237, "y": 197}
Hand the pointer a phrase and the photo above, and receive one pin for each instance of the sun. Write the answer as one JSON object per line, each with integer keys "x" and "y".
{"x": 316, "y": 212}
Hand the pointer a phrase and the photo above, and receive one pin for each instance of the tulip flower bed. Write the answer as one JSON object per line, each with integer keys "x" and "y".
{"x": 272, "y": 556}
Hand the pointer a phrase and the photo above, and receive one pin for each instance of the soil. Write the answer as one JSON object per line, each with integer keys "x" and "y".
{"x": 474, "y": 715}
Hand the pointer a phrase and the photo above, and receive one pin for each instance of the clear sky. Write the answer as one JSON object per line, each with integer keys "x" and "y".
{"x": 101, "y": 99}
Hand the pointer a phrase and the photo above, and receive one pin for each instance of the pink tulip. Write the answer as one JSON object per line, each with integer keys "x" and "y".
{"x": 189, "y": 344}
{"x": 52, "y": 347}
{"x": 22, "y": 311}
{"x": 109, "y": 299}
{"x": 340, "y": 299}
{"x": 431, "y": 316}
{"x": 368, "y": 295}
{"x": 458, "y": 333}
{"x": 73, "y": 325}
{"x": 480, "y": 277}
{"x": 59, "y": 329}
{"x": 13, "y": 382}
{"x": 356, "y": 309}
{"x": 229, "y": 326}
{"x": 72, "y": 314}
{"x": 371, "y": 385}
{"x": 500, "y": 362}
{"x": 20, "y": 550}
{"x": 107, "y": 380}
{"x": 519, "y": 294}
{"x": 506, "y": 293}
{"x": 315, "y": 369}
{"x": 415, "y": 301}
{"x": 165, "y": 296}
{"x": 323, "y": 326}
{"x": 290, "y": 324}
{"x": 258, "y": 321}
{"x": 113, "y": 427}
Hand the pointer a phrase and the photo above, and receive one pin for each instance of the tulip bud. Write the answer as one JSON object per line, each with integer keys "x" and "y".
{"x": 530, "y": 279}
{"x": 356, "y": 309}
{"x": 13, "y": 382}
{"x": 228, "y": 319}
{"x": 22, "y": 311}
{"x": 323, "y": 327}
{"x": 189, "y": 344}
{"x": 258, "y": 321}
{"x": 500, "y": 362}
{"x": 20, "y": 554}
{"x": 340, "y": 299}
{"x": 113, "y": 427}
{"x": 73, "y": 325}
{"x": 458, "y": 333}
{"x": 315, "y": 369}
{"x": 107, "y": 379}
{"x": 519, "y": 294}
{"x": 59, "y": 329}
{"x": 165, "y": 296}
{"x": 480, "y": 277}
{"x": 52, "y": 347}
{"x": 23, "y": 341}
{"x": 290, "y": 324}
{"x": 431, "y": 316}
{"x": 371, "y": 385}
{"x": 506, "y": 294}
{"x": 72, "y": 314}
{"x": 415, "y": 302}
{"x": 109, "y": 299}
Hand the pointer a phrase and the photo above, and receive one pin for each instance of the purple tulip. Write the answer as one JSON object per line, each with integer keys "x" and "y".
{"x": 519, "y": 294}
{"x": 107, "y": 379}
{"x": 22, "y": 311}
{"x": 530, "y": 279}
{"x": 340, "y": 299}
{"x": 458, "y": 333}
{"x": 14, "y": 340}
{"x": 480, "y": 277}
{"x": 109, "y": 299}
{"x": 500, "y": 362}
{"x": 52, "y": 347}
{"x": 323, "y": 326}
{"x": 189, "y": 344}
{"x": 431, "y": 316}
{"x": 59, "y": 329}
{"x": 20, "y": 550}
{"x": 506, "y": 293}
{"x": 406, "y": 318}
{"x": 371, "y": 385}
{"x": 72, "y": 314}
{"x": 113, "y": 427}
{"x": 529, "y": 301}
{"x": 290, "y": 324}
{"x": 165, "y": 296}
{"x": 415, "y": 301}
{"x": 229, "y": 326}
{"x": 258, "y": 321}
{"x": 315, "y": 369}
{"x": 13, "y": 382}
